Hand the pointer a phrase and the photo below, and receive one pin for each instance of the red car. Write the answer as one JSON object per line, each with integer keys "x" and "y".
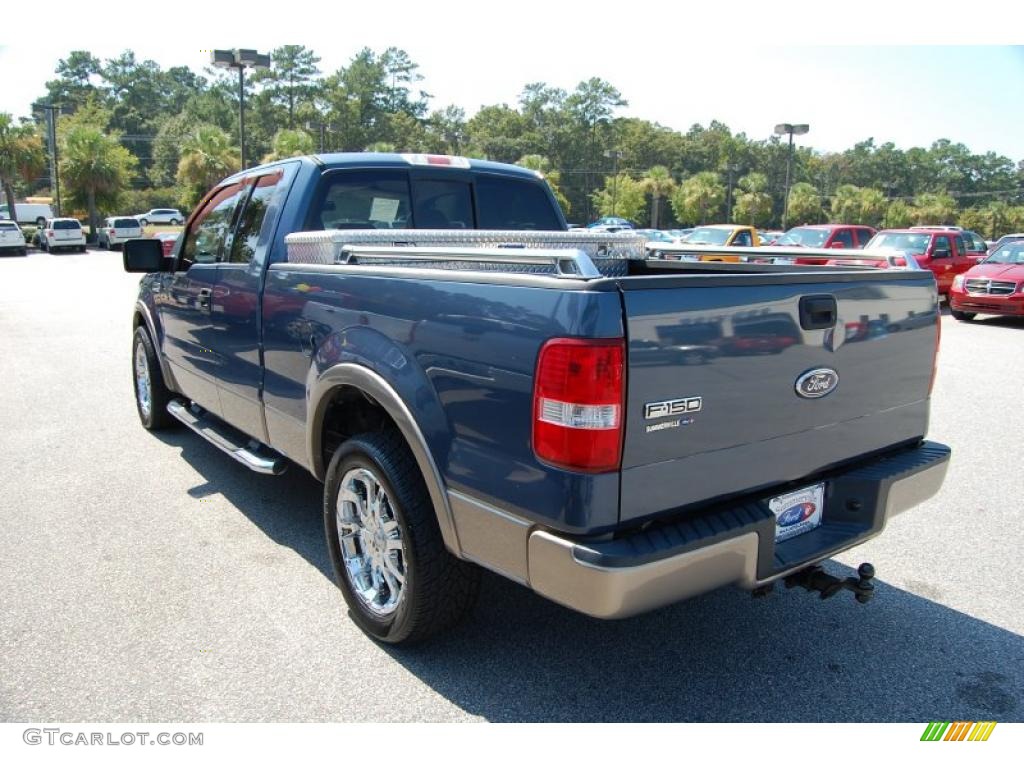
{"x": 827, "y": 236}
{"x": 994, "y": 287}
{"x": 943, "y": 251}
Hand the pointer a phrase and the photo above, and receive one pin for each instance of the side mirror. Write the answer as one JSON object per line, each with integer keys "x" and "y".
{"x": 143, "y": 255}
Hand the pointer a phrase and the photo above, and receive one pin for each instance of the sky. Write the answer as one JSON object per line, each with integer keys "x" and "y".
{"x": 749, "y": 65}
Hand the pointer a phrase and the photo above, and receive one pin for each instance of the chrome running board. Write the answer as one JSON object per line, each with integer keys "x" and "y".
{"x": 244, "y": 450}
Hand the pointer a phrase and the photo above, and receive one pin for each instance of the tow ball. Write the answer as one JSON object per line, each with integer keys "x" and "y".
{"x": 814, "y": 579}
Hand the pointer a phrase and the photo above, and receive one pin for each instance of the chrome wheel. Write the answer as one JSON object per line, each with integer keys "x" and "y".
{"x": 143, "y": 392}
{"x": 371, "y": 543}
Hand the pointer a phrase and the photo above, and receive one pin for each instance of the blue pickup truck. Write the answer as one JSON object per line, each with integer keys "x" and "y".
{"x": 477, "y": 386}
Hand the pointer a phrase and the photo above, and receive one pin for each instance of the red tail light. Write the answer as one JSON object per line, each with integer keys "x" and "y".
{"x": 578, "y": 404}
{"x": 49, "y": 233}
{"x": 111, "y": 231}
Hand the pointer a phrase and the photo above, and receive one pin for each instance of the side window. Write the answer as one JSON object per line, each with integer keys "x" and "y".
{"x": 504, "y": 203}
{"x": 942, "y": 244}
{"x": 863, "y": 235}
{"x": 442, "y": 205}
{"x": 742, "y": 238}
{"x": 844, "y": 236}
{"x": 976, "y": 243}
{"x": 961, "y": 247}
{"x": 361, "y": 200}
{"x": 250, "y": 221}
{"x": 210, "y": 230}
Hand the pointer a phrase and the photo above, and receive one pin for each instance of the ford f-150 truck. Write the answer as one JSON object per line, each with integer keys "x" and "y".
{"x": 476, "y": 386}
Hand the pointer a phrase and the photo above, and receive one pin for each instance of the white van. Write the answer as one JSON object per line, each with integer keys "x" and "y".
{"x": 29, "y": 213}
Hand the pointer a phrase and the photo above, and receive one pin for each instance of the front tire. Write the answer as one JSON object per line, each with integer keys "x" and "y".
{"x": 390, "y": 562}
{"x": 151, "y": 394}
{"x": 144, "y": 222}
{"x": 963, "y": 317}
{"x": 175, "y": 222}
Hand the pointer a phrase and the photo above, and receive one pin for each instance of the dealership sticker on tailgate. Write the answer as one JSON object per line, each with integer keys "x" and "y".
{"x": 797, "y": 512}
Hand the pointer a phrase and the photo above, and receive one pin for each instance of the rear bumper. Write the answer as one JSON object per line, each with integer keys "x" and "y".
{"x": 669, "y": 562}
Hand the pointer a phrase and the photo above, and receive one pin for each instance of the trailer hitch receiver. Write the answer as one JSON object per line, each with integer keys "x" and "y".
{"x": 815, "y": 579}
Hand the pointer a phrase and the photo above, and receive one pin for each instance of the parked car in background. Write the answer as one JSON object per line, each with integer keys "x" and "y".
{"x": 722, "y": 235}
{"x": 656, "y": 235}
{"x": 117, "y": 229}
{"x": 64, "y": 234}
{"x": 161, "y": 216}
{"x": 12, "y": 238}
{"x": 167, "y": 241}
{"x": 941, "y": 250}
{"x": 1014, "y": 237}
{"x": 28, "y": 213}
{"x": 611, "y": 224}
{"x": 993, "y": 287}
{"x": 769, "y": 238}
{"x": 827, "y": 236}
{"x": 974, "y": 245}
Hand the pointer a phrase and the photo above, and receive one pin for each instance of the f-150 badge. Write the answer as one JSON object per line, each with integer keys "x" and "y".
{"x": 664, "y": 409}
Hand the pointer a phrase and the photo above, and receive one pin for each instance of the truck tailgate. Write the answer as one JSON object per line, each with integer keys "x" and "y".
{"x": 714, "y": 361}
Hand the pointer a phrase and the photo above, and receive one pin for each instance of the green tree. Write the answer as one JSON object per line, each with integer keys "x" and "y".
{"x": 753, "y": 203}
{"x": 95, "y": 169}
{"x": 21, "y": 157}
{"x": 542, "y": 165}
{"x": 872, "y": 207}
{"x": 76, "y": 80}
{"x": 698, "y": 198}
{"x": 934, "y": 208}
{"x": 207, "y": 156}
{"x": 622, "y": 196}
{"x": 846, "y": 205}
{"x": 288, "y": 143}
{"x": 658, "y": 183}
{"x": 898, "y": 215}
{"x": 291, "y": 79}
{"x": 804, "y": 204}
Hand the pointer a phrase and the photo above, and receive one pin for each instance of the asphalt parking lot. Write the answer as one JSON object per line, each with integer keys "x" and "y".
{"x": 150, "y": 578}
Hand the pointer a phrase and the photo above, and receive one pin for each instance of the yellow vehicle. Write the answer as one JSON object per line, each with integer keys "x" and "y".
{"x": 723, "y": 235}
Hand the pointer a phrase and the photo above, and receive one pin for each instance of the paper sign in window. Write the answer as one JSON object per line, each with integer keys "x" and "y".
{"x": 384, "y": 209}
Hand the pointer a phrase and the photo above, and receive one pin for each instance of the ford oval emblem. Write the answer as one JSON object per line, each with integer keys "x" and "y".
{"x": 817, "y": 383}
{"x": 796, "y": 514}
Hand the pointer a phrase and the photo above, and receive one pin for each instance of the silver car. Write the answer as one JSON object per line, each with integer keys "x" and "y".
{"x": 117, "y": 229}
{"x": 161, "y": 216}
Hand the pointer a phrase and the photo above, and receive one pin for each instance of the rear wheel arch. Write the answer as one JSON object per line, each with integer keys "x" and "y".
{"x": 357, "y": 396}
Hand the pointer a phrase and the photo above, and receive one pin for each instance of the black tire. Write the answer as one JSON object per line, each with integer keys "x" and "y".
{"x": 438, "y": 589}
{"x": 23, "y": 251}
{"x": 964, "y": 317}
{"x": 175, "y": 222}
{"x": 158, "y": 417}
{"x": 144, "y": 222}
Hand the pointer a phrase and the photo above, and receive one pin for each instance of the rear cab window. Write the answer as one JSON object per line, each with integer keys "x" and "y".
{"x": 396, "y": 199}
{"x": 66, "y": 224}
{"x": 125, "y": 223}
{"x": 8, "y": 226}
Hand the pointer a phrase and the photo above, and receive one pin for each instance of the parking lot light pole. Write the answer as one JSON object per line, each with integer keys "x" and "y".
{"x": 51, "y": 143}
{"x": 793, "y": 130}
{"x": 240, "y": 58}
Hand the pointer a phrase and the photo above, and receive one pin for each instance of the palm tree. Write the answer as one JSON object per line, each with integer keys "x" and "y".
{"x": 288, "y": 143}
{"x": 95, "y": 167}
{"x": 753, "y": 204}
{"x": 21, "y": 157}
{"x": 207, "y": 156}
{"x": 698, "y": 196}
{"x": 658, "y": 182}
{"x": 804, "y": 203}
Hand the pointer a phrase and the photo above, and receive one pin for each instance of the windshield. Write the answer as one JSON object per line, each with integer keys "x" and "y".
{"x": 808, "y": 237}
{"x": 7, "y": 226}
{"x": 708, "y": 236}
{"x": 900, "y": 241}
{"x": 1011, "y": 254}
